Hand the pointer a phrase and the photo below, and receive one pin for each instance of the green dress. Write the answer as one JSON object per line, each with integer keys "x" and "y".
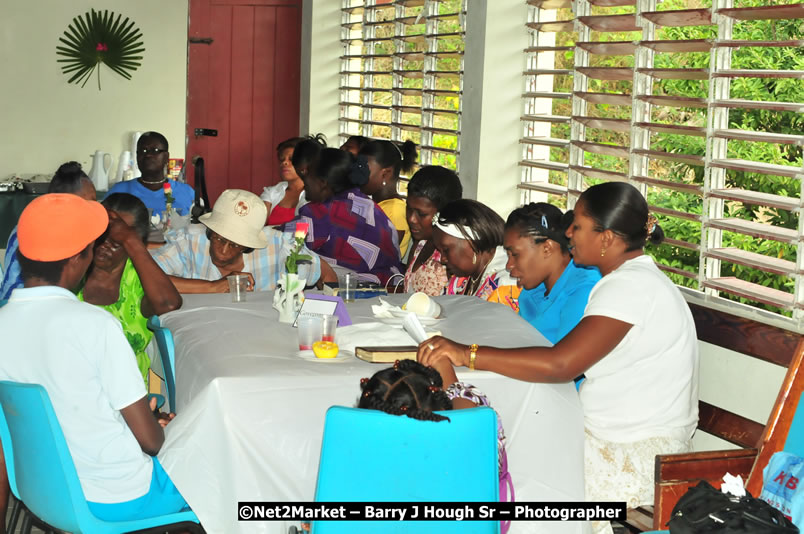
{"x": 127, "y": 311}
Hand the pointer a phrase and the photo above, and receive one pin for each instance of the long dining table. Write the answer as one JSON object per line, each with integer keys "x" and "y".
{"x": 250, "y": 409}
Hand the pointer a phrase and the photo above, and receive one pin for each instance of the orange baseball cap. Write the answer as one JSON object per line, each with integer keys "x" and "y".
{"x": 58, "y": 226}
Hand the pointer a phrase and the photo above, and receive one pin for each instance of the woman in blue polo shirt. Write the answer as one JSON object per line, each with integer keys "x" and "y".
{"x": 554, "y": 290}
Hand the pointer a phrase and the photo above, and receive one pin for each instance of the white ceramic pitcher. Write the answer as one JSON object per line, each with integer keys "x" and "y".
{"x": 99, "y": 173}
{"x": 123, "y": 164}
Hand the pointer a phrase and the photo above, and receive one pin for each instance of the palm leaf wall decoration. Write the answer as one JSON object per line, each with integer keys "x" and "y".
{"x": 96, "y": 38}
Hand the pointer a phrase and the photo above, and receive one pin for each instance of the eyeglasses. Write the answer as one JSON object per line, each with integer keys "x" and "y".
{"x": 223, "y": 242}
{"x": 155, "y": 150}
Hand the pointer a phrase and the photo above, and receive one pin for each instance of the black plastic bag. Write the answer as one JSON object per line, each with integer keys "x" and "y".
{"x": 705, "y": 509}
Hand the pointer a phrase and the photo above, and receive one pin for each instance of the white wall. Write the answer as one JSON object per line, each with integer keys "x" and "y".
{"x": 320, "y": 69}
{"x": 492, "y": 103}
{"x": 47, "y": 121}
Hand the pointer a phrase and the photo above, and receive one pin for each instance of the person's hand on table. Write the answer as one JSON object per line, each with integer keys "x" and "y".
{"x": 445, "y": 369}
{"x": 436, "y": 350}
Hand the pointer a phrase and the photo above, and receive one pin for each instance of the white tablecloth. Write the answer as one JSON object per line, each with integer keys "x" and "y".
{"x": 251, "y": 411}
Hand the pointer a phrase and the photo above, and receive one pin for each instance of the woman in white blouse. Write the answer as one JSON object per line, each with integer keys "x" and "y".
{"x": 636, "y": 344}
{"x": 284, "y": 199}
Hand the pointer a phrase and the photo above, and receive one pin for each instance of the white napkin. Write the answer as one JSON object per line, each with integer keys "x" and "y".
{"x": 733, "y": 485}
{"x": 370, "y": 335}
{"x": 383, "y": 310}
{"x": 414, "y": 327}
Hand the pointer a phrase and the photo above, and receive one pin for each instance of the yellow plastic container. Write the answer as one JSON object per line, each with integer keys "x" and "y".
{"x": 325, "y": 349}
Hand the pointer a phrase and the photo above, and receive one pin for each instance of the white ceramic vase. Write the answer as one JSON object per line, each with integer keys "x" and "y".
{"x": 288, "y": 297}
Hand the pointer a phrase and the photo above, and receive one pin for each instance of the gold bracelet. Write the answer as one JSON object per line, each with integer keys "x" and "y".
{"x": 472, "y": 355}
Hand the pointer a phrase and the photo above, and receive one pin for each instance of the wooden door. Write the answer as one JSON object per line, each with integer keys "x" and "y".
{"x": 243, "y": 80}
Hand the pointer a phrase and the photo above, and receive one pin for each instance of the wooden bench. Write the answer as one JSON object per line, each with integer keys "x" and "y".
{"x": 675, "y": 473}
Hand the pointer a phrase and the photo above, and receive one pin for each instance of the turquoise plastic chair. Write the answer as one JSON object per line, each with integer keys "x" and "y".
{"x": 42, "y": 474}
{"x": 167, "y": 353}
{"x": 370, "y": 456}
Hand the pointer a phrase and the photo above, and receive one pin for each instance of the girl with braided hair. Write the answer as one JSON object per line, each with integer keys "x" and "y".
{"x": 554, "y": 290}
{"x": 409, "y": 388}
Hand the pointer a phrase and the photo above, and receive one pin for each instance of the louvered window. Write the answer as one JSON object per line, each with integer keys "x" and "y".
{"x": 697, "y": 104}
{"x": 402, "y": 73}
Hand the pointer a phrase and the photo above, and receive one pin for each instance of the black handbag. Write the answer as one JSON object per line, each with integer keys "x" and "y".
{"x": 705, "y": 509}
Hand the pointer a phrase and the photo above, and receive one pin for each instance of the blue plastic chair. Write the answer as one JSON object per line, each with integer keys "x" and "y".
{"x": 164, "y": 340}
{"x": 42, "y": 474}
{"x": 370, "y": 456}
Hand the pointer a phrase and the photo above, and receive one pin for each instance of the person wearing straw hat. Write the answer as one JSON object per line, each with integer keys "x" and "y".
{"x": 84, "y": 362}
{"x": 232, "y": 239}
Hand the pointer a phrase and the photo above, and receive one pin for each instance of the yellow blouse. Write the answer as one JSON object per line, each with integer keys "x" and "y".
{"x": 394, "y": 208}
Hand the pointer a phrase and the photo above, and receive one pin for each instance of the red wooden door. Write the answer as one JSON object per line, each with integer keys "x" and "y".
{"x": 244, "y": 83}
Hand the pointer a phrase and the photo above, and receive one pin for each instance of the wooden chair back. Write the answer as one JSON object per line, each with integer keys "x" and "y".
{"x": 676, "y": 473}
{"x": 777, "y": 435}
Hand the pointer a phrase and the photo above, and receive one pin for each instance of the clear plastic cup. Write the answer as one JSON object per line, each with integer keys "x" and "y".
{"x": 347, "y": 286}
{"x": 328, "y": 328}
{"x": 309, "y": 331}
{"x": 238, "y": 287}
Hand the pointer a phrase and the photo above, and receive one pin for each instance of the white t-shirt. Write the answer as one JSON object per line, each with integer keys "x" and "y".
{"x": 648, "y": 385}
{"x": 275, "y": 193}
{"x": 79, "y": 354}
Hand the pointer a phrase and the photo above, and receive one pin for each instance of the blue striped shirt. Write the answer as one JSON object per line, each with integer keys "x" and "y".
{"x": 12, "y": 278}
{"x": 187, "y": 256}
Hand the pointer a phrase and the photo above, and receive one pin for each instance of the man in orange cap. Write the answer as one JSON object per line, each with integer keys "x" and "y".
{"x": 79, "y": 354}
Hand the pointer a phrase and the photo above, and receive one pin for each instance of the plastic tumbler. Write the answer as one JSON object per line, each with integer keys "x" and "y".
{"x": 309, "y": 331}
{"x": 347, "y": 286}
{"x": 329, "y": 325}
{"x": 238, "y": 287}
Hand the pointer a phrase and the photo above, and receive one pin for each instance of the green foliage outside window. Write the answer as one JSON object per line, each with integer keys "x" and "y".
{"x": 758, "y": 89}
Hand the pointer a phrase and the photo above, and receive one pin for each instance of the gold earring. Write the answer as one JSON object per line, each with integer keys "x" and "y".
{"x": 474, "y": 258}
{"x": 602, "y": 252}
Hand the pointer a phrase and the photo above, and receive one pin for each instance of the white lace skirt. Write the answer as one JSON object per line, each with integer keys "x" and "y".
{"x": 623, "y": 471}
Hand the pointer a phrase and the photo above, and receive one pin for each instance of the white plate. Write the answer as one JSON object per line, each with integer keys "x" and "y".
{"x": 426, "y": 321}
{"x": 310, "y": 356}
{"x": 402, "y": 314}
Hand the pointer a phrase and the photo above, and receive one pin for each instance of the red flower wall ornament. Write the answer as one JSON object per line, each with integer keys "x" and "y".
{"x": 95, "y": 38}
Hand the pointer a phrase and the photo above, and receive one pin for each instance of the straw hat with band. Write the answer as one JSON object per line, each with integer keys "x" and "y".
{"x": 238, "y": 216}
{"x": 58, "y": 226}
